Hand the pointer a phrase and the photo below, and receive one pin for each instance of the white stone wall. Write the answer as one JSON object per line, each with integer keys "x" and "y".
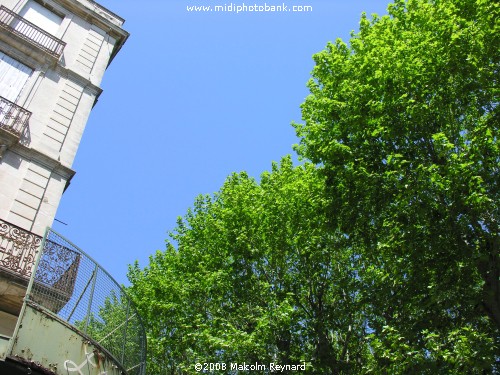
{"x": 11, "y": 4}
{"x": 60, "y": 108}
{"x": 7, "y": 323}
{"x": 31, "y": 186}
{"x": 12, "y": 168}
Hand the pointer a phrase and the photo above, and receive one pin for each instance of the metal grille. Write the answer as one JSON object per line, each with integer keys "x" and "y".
{"x": 13, "y": 118}
{"x": 26, "y": 30}
{"x": 74, "y": 287}
{"x": 18, "y": 249}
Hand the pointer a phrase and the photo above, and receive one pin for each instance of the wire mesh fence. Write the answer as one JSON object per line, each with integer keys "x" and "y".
{"x": 74, "y": 287}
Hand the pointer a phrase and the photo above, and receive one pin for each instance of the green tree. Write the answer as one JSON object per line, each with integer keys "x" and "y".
{"x": 384, "y": 257}
{"x": 115, "y": 326}
{"x": 257, "y": 276}
{"x": 405, "y": 123}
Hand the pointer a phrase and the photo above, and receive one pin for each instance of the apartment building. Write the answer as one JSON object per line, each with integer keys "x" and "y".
{"x": 60, "y": 312}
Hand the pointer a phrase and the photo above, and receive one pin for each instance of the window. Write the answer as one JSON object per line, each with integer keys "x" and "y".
{"x": 41, "y": 17}
{"x": 13, "y": 76}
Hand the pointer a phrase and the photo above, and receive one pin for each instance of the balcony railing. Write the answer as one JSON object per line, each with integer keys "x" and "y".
{"x": 13, "y": 118}
{"x": 18, "y": 249}
{"x": 56, "y": 274}
{"x": 26, "y": 30}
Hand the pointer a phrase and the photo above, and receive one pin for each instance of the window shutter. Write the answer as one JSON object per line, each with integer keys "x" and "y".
{"x": 13, "y": 76}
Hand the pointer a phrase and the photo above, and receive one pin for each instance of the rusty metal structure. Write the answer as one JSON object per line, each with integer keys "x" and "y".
{"x": 72, "y": 315}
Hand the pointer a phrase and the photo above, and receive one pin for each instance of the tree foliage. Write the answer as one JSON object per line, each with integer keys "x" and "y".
{"x": 255, "y": 277}
{"x": 405, "y": 121}
{"x": 382, "y": 256}
{"x": 116, "y": 327}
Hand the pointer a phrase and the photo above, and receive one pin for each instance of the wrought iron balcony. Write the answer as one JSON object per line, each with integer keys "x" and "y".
{"x": 13, "y": 118}
{"x": 18, "y": 250}
{"x": 17, "y": 25}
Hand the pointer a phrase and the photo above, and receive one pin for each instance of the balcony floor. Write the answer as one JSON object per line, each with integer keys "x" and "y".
{"x": 12, "y": 367}
{"x": 12, "y": 291}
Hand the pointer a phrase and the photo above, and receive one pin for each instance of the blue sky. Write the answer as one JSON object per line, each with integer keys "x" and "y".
{"x": 191, "y": 98}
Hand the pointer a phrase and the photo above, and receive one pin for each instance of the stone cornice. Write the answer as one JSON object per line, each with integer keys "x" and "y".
{"x": 84, "y": 82}
{"x": 54, "y": 165}
{"x": 99, "y": 16}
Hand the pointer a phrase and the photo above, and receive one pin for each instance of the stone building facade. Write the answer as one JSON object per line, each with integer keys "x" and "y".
{"x": 56, "y": 302}
{"x": 53, "y": 55}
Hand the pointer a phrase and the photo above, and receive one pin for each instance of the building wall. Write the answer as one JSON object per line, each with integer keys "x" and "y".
{"x": 60, "y": 94}
{"x": 7, "y": 323}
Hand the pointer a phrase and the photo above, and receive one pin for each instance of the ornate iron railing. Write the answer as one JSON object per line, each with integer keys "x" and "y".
{"x": 57, "y": 271}
{"x": 18, "y": 249}
{"x": 26, "y": 30}
{"x": 13, "y": 118}
{"x": 56, "y": 275}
